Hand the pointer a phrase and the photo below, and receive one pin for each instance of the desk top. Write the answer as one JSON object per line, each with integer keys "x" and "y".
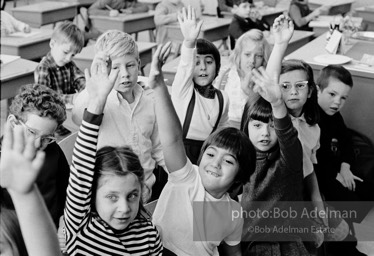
{"x": 324, "y": 21}
{"x": 369, "y": 9}
{"x": 37, "y": 35}
{"x": 297, "y": 36}
{"x": 46, "y": 6}
{"x": 264, "y": 11}
{"x": 16, "y": 69}
{"x": 317, "y": 47}
{"x": 208, "y": 24}
{"x": 85, "y": 3}
{"x": 125, "y": 17}
{"x": 331, "y": 2}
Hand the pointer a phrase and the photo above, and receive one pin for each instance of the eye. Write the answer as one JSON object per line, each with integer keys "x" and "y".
{"x": 257, "y": 125}
{"x": 133, "y": 196}
{"x": 259, "y": 56}
{"x": 332, "y": 94}
{"x": 115, "y": 67}
{"x": 285, "y": 86}
{"x": 209, "y": 62}
{"x": 197, "y": 63}
{"x": 112, "y": 198}
{"x": 30, "y": 132}
{"x": 229, "y": 161}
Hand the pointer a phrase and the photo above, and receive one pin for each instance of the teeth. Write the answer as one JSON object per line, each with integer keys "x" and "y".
{"x": 213, "y": 174}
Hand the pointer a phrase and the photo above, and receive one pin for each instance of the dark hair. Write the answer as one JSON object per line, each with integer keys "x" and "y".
{"x": 336, "y": 71}
{"x": 259, "y": 109}
{"x": 40, "y": 100}
{"x": 239, "y": 144}
{"x": 310, "y": 108}
{"x": 118, "y": 161}
{"x": 238, "y": 2}
{"x": 204, "y": 46}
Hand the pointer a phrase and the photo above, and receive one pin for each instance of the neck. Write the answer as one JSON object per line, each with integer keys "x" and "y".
{"x": 128, "y": 96}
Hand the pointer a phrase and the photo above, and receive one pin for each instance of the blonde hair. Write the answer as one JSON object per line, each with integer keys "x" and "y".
{"x": 116, "y": 44}
{"x": 255, "y": 36}
{"x": 68, "y": 32}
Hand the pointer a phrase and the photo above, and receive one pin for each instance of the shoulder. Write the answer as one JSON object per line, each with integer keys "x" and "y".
{"x": 144, "y": 225}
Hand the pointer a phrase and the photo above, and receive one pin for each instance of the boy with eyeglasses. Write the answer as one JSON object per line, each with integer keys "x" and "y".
{"x": 40, "y": 110}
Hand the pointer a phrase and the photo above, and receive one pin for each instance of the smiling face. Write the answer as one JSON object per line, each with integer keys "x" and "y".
{"x": 252, "y": 56}
{"x": 218, "y": 168}
{"x": 117, "y": 199}
{"x": 333, "y": 97}
{"x": 295, "y": 97}
{"x": 205, "y": 69}
{"x": 62, "y": 53}
{"x": 262, "y": 135}
{"x": 127, "y": 78}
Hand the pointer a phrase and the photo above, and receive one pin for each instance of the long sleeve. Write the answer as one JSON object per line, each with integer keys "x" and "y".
{"x": 99, "y": 7}
{"x": 63, "y": 181}
{"x": 79, "y": 193}
{"x": 42, "y": 76}
{"x": 78, "y": 78}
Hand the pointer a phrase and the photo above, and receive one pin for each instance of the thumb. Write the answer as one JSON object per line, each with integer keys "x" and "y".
{"x": 199, "y": 24}
{"x": 357, "y": 178}
{"x": 38, "y": 161}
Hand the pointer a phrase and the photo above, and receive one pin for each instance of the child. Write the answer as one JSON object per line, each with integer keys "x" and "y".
{"x": 245, "y": 18}
{"x": 194, "y": 208}
{"x": 200, "y": 107}
{"x": 20, "y": 165}
{"x": 130, "y": 118}
{"x": 301, "y": 14}
{"x": 251, "y": 51}
{"x": 166, "y": 12}
{"x": 57, "y": 70}
{"x": 10, "y": 25}
{"x": 104, "y": 214}
{"x": 115, "y": 7}
{"x": 39, "y": 111}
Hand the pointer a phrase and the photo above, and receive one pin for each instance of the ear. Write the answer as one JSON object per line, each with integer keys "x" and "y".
{"x": 318, "y": 89}
{"x": 12, "y": 120}
{"x": 52, "y": 43}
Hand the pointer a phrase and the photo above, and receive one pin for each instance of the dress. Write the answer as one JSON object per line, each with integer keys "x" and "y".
{"x": 68, "y": 79}
{"x": 190, "y": 220}
{"x": 135, "y": 127}
{"x": 86, "y": 232}
{"x": 302, "y": 10}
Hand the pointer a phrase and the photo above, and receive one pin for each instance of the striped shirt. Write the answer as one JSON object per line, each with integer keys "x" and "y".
{"x": 86, "y": 232}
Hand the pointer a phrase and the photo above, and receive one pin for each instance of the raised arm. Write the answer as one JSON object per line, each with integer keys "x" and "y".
{"x": 19, "y": 167}
{"x": 190, "y": 27}
{"x": 169, "y": 127}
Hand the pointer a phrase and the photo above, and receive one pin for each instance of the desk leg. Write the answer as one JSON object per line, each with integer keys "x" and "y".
{"x": 152, "y": 36}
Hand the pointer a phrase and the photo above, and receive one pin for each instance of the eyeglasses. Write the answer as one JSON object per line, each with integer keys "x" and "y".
{"x": 301, "y": 85}
{"x": 44, "y": 140}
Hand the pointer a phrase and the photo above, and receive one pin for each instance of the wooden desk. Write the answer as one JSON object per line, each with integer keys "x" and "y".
{"x": 84, "y": 59}
{"x": 357, "y": 112}
{"x": 32, "y": 47}
{"x": 81, "y": 3}
{"x": 367, "y": 13}
{"x": 151, "y": 3}
{"x": 213, "y": 29}
{"x": 42, "y": 13}
{"x": 337, "y": 6}
{"x": 322, "y": 24}
{"x": 14, "y": 75}
{"x": 129, "y": 23}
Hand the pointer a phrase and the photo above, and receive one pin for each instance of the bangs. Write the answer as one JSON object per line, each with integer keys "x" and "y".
{"x": 261, "y": 111}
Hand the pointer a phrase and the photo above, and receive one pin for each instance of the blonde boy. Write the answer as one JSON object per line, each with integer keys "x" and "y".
{"x": 129, "y": 115}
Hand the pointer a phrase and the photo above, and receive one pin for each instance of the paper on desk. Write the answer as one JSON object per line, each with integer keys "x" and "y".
{"x": 23, "y": 34}
{"x": 367, "y": 59}
{"x": 5, "y": 59}
{"x": 333, "y": 44}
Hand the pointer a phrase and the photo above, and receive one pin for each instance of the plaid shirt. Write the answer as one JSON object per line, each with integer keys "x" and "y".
{"x": 65, "y": 80}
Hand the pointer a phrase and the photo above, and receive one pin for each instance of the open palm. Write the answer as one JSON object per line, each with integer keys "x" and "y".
{"x": 282, "y": 29}
{"x": 266, "y": 87}
{"x": 20, "y": 163}
{"x": 190, "y": 27}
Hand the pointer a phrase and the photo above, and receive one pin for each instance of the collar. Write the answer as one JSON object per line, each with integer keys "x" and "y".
{"x": 137, "y": 90}
{"x": 299, "y": 118}
{"x": 208, "y": 91}
{"x": 51, "y": 60}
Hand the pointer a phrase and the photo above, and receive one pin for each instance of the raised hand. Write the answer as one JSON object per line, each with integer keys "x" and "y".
{"x": 20, "y": 162}
{"x": 247, "y": 83}
{"x": 156, "y": 77}
{"x": 190, "y": 27}
{"x": 282, "y": 29}
{"x": 266, "y": 87}
{"x": 346, "y": 177}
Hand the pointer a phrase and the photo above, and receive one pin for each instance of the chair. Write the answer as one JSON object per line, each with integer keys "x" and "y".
{"x": 67, "y": 146}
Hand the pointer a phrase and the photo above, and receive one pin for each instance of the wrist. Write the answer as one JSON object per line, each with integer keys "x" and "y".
{"x": 96, "y": 106}
{"x": 189, "y": 43}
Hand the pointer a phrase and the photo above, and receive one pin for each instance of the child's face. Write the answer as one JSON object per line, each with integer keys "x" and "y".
{"x": 62, "y": 53}
{"x": 117, "y": 199}
{"x": 243, "y": 10}
{"x": 262, "y": 135}
{"x": 252, "y": 56}
{"x": 41, "y": 128}
{"x": 333, "y": 97}
{"x": 295, "y": 91}
{"x": 127, "y": 78}
{"x": 218, "y": 168}
{"x": 205, "y": 69}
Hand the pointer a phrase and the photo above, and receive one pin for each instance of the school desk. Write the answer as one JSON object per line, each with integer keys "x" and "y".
{"x": 84, "y": 59}
{"x": 367, "y": 13}
{"x": 81, "y": 3}
{"x": 129, "y": 23}
{"x": 357, "y": 112}
{"x": 29, "y": 46}
{"x": 299, "y": 38}
{"x": 15, "y": 74}
{"x": 337, "y": 6}
{"x": 213, "y": 29}
{"x": 43, "y": 13}
{"x": 151, "y": 3}
{"x": 322, "y": 24}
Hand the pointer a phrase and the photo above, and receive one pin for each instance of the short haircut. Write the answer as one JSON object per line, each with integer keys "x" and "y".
{"x": 204, "y": 46}
{"x": 310, "y": 109}
{"x": 238, "y": 2}
{"x": 336, "y": 71}
{"x": 258, "y": 109}
{"x": 116, "y": 44}
{"x": 239, "y": 144}
{"x": 39, "y": 100}
{"x": 252, "y": 36}
{"x": 68, "y": 32}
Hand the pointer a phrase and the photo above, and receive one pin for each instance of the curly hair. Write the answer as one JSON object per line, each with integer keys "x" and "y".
{"x": 40, "y": 100}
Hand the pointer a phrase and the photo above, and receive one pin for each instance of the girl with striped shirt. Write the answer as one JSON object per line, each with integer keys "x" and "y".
{"x": 104, "y": 214}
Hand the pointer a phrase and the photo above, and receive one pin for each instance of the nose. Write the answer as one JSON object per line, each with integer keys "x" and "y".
{"x": 69, "y": 57}
{"x": 293, "y": 90}
{"x": 202, "y": 65}
{"x": 123, "y": 206}
{"x": 124, "y": 72}
{"x": 265, "y": 130}
{"x": 337, "y": 100}
{"x": 216, "y": 162}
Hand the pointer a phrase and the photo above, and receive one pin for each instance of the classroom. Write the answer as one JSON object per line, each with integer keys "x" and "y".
{"x": 246, "y": 125}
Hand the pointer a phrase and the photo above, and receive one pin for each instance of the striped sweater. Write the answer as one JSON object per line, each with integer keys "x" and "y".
{"x": 86, "y": 232}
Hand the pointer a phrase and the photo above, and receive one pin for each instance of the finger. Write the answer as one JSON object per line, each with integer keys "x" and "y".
{"x": 193, "y": 13}
{"x": 19, "y": 140}
{"x": 29, "y": 151}
{"x": 180, "y": 17}
{"x": 87, "y": 74}
{"x": 156, "y": 58}
{"x": 184, "y": 13}
{"x": 38, "y": 162}
{"x": 189, "y": 13}
{"x": 113, "y": 76}
{"x": 165, "y": 51}
{"x": 8, "y": 137}
{"x": 357, "y": 178}
{"x": 200, "y": 24}
{"x": 353, "y": 185}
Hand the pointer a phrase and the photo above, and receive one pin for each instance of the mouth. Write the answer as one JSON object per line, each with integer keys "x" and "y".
{"x": 264, "y": 142}
{"x": 203, "y": 75}
{"x": 293, "y": 100}
{"x": 122, "y": 220}
{"x": 334, "y": 109}
{"x": 212, "y": 173}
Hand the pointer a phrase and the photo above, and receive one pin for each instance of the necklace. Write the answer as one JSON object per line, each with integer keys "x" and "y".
{"x": 205, "y": 108}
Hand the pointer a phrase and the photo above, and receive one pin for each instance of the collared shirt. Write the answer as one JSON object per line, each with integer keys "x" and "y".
{"x": 309, "y": 137}
{"x": 65, "y": 80}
